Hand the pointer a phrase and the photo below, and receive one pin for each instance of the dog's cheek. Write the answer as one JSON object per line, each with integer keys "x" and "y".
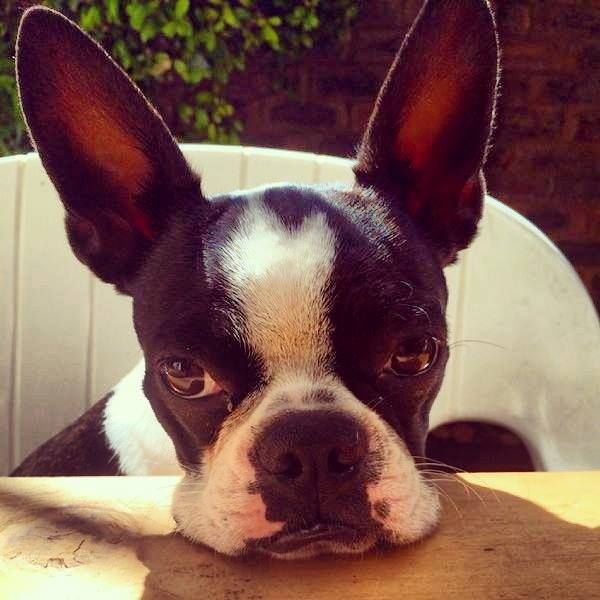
{"x": 407, "y": 507}
{"x": 219, "y": 506}
{"x": 407, "y": 405}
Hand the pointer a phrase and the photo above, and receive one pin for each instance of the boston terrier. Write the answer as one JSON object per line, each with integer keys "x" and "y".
{"x": 294, "y": 336}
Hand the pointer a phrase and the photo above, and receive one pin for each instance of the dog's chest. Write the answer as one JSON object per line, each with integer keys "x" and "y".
{"x": 133, "y": 432}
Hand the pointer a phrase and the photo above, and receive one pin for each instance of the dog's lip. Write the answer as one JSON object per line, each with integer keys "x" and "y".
{"x": 288, "y": 541}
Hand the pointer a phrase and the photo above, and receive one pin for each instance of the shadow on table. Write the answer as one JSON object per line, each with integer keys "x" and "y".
{"x": 495, "y": 546}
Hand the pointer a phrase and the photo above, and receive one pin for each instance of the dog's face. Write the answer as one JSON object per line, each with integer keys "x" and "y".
{"x": 294, "y": 336}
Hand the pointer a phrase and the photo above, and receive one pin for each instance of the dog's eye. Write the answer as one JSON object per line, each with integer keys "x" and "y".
{"x": 413, "y": 356}
{"x": 186, "y": 378}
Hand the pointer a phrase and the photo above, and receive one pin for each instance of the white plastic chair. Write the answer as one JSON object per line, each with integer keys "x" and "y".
{"x": 527, "y": 353}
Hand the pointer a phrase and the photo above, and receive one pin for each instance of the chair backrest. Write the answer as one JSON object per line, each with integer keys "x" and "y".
{"x": 526, "y": 338}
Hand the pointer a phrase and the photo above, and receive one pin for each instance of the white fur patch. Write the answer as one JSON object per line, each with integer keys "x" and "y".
{"x": 279, "y": 277}
{"x": 134, "y": 433}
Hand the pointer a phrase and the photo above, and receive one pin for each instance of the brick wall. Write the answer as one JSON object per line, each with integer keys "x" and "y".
{"x": 545, "y": 161}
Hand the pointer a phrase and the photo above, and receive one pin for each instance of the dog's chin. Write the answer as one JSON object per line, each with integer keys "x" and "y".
{"x": 318, "y": 541}
{"x": 338, "y": 539}
{"x": 314, "y": 541}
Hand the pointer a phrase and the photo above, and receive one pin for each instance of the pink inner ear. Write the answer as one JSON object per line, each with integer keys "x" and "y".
{"x": 439, "y": 73}
{"x": 94, "y": 124}
{"x": 140, "y": 221}
{"x": 424, "y": 122}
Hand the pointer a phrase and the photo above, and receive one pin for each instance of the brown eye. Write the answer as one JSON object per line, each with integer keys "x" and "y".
{"x": 186, "y": 378}
{"x": 413, "y": 356}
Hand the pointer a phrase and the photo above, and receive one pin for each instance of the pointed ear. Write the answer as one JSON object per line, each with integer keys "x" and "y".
{"x": 426, "y": 141}
{"x": 117, "y": 169}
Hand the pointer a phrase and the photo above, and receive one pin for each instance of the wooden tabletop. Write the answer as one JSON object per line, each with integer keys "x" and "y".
{"x": 527, "y": 535}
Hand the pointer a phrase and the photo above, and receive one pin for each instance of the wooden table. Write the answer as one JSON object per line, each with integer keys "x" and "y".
{"x": 534, "y": 536}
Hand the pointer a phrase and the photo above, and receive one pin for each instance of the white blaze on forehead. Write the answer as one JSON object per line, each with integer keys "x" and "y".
{"x": 279, "y": 276}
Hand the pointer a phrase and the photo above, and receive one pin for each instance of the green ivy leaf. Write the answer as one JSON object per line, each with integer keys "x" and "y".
{"x": 211, "y": 132}
{"x": 122, "y": 54}
{"x": 181, "y": 68}
{"x": 211, "y": 14}
{"x": 311, "y": 22}
{"x": 270, "y": 36}
{"x": 162, "y": 64}
{"x": 186, "y": 46}
{"x": 196, "y": 75}
{"x": 169, "y": 29}
{"x": 209, "y": 39}
{"x": 184, "y": 28}
{"x": 230, "y": 17}
{"x": 204, "y": 98}
{"x": 137, "y": 15}
{"x": 242, "y": 14}
{"x": 181, "y": 8}
{"x": 90, "y": 18}
{"x": 201, "y": 118}
{"x": 148, "y": 31}
{"x": 112, "y": 11}
{"x": 185, "y": 112}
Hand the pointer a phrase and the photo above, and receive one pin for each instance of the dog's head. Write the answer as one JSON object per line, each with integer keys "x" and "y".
{"x": 294, "y": 336}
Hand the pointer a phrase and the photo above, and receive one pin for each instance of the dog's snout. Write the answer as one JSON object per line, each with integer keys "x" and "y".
{"x": 311, "y": 448}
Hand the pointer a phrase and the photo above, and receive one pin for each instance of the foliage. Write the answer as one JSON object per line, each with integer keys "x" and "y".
{"x": 182, "y": 53}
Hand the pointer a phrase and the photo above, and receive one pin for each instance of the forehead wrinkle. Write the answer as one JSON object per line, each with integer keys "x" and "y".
{"x": 279, "y": 277}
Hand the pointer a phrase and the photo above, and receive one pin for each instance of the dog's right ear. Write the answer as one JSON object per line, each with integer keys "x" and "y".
{"x": 117, "y": 169}
{"x": 427, "y": 138}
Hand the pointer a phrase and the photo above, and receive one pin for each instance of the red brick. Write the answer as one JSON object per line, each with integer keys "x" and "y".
{"x": 532, "y": 56}
{"x": 378, "y": 45}
{"x": 382, "y": 12}
{"x": 516, "y": 88}
{"x": 588, "y": 129}
{"x": 349, "y": 82}
{"x": 525, "y": 123}
{"x": 589, "y": 58}
{"x": 359, "y": 115}
{"x": 565, "y": 88}
{"x": 513, "y": 16}
{"x": 339, "y": 144}
{"x": 581, "y": 253}
{"x": 308, "y": 114}
{"x": 555, "y": 18}
{"x": 411, "y": 9}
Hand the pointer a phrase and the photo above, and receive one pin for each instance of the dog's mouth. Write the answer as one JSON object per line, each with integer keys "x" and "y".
{"x": 323, "y": 534}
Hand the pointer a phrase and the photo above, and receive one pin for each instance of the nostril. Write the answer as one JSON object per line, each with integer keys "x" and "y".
{"x": 310, "y": 449}
{"x": 344, "y": 460}
{"x": 288, "y": 466}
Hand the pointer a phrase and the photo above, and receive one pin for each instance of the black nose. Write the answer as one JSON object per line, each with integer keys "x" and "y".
{"x": 311, "y": 448}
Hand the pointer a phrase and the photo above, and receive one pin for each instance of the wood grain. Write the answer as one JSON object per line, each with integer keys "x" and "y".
{"x": 528, "y": 535}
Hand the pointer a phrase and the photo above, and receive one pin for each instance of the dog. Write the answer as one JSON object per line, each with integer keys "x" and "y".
{"x": 294, "y": 337}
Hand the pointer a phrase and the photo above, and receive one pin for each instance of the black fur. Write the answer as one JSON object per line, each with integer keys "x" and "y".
{"x": 149, "y": 230}
{"x": 80, "y": 449}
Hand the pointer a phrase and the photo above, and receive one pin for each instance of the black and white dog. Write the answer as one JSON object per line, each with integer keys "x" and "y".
{"x": 294, "y": 336}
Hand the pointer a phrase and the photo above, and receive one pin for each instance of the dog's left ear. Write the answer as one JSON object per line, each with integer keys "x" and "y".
{"x": 117, "y": 169}
{"x": 426, "y": 141}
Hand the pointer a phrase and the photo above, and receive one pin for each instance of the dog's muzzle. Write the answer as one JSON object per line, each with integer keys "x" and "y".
{"x": 312, "y": 469}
